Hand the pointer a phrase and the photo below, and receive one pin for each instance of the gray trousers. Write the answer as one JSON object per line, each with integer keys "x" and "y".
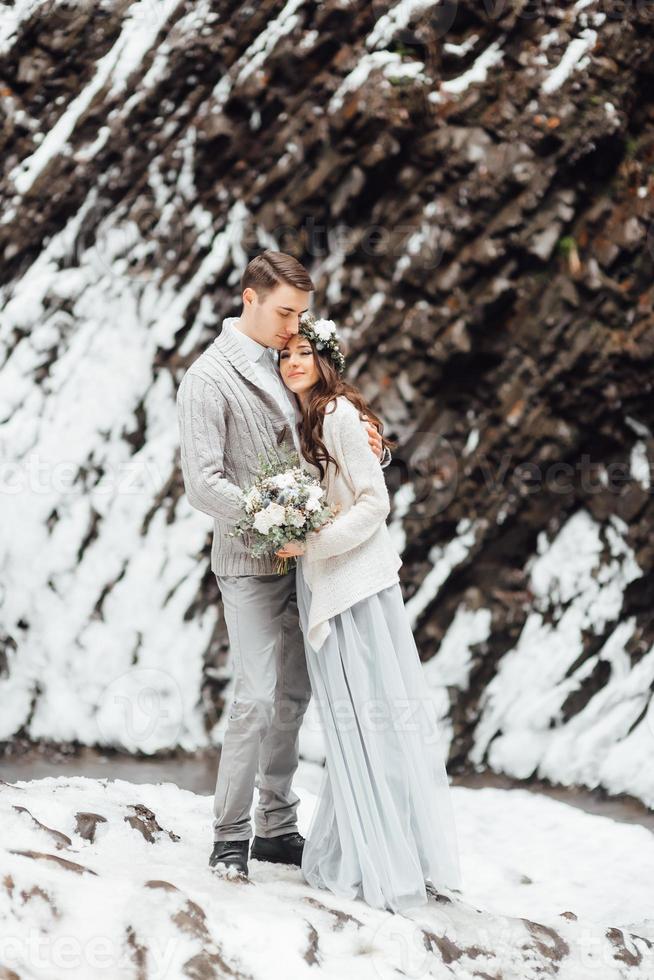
{"x": 271, "y": 694}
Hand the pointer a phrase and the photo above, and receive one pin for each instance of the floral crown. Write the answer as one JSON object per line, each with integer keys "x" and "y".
{"x": 323, "y": 334}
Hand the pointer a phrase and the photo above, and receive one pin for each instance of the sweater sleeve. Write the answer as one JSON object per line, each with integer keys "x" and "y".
{"x": 371, "y": 503}
{"x": 201, "y": 419}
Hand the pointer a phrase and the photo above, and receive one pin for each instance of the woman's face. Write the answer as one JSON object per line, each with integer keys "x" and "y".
{"x": 297, "y": 365}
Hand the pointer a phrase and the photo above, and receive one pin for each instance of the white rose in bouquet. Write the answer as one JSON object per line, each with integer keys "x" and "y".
{"x": 262, "y": 522}
{"x": 295, "y": 517}
{"x": 276, "y": 514}
{"x": 282, "y": 480}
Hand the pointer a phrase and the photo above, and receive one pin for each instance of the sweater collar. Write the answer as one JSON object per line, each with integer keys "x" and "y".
{"x": 234, "y": 351}
{"x": 253, "y": 349}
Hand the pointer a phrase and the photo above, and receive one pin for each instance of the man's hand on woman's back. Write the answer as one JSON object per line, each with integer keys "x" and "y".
{"x": 374, "y": 438}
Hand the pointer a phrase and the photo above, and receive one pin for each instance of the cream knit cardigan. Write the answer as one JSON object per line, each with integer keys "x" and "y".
{"x": 352, "y": 557}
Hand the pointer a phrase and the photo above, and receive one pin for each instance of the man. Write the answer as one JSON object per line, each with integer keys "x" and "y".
{"x": 232, "y": 405}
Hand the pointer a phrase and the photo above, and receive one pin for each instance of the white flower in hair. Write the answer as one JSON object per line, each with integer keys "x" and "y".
{"x": 325, "y": 329}
{"x": 323, "y": 333}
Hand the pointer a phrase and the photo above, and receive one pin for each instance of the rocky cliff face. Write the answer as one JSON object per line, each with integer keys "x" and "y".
{"x": 470, "y": 186}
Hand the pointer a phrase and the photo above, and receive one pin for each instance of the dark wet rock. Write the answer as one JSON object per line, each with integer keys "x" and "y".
{"x": 210, "y": 966}
{"x": 341, "y": 918}
{"x": 60, "y": 840}
{"x": 27, "y": 895}
{"x": 7, "y": 974}
{"x": 191, "y": 919}
{"x": 312, "y": 952}
{"x": 86, "y": 824}
{"x": 450, "y": 951}
{"x": 160, "y": 883}
{"x": 435, "y": 895}
{"x": 138, "y": 952}
{"x": 547, "y": 941}
{"x": 145, "y": 821}
{"x": 61, "y": 862}
{"x": 630, "y": 949}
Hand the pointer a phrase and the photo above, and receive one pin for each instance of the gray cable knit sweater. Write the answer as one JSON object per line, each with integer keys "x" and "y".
{"x": 225, "y": 420}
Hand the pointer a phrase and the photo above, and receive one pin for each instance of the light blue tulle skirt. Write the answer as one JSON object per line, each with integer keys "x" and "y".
{"x": 383, "y": 825}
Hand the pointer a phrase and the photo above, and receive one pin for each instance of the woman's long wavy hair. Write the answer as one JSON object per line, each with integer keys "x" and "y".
{"x": 329, "y": 385}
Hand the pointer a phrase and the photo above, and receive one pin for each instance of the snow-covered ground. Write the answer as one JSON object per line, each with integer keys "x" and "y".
{"x": 110, "y": 879}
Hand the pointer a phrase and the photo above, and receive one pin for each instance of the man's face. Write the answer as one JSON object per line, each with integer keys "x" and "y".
{"x": 276, "y": 318}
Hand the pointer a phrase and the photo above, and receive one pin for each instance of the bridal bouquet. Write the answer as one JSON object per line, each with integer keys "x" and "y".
{"x": 283, "y": 504}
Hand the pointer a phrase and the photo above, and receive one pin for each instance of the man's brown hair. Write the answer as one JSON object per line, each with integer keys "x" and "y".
{"x": 269, "y": 268}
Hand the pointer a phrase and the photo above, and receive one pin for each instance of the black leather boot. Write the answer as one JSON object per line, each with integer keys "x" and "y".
{"x": 231, "y": 853}
{"x": 283, "y": 849}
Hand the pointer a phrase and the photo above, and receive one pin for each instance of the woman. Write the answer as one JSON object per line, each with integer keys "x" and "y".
{"x": 383, "y": 828}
